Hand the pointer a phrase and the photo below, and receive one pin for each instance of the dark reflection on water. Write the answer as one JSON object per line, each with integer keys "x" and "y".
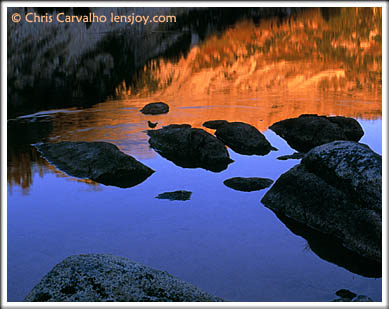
{"x": 225, "y": 241}
{"x": 331, "y": 249}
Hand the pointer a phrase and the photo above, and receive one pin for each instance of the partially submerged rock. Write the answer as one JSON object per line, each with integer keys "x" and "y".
{"x": 109, "y": 278}
{"x": 190, "y": 147}
{"x": 336, "y": 189}
{"x": 214, "y": 124}
{"x": 248, "y": 184}
{"x": 241, "y": 137}
{"x": 344, "y": 293}
{"x": 99, "y": 161}
{"x": 310, "y": 130}
{"x": 180, "y": 195}
{"x": 296, "y": 156}
{"x": 348, "y": 296}
{"x": 155, "y": 108}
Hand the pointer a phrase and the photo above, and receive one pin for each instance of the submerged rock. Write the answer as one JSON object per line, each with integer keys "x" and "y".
{"x": 241, "y": 137}
{"x": 190, "y": 147}
{"x": 310, "y": 130}
{"x": 180, "y": 195}
{"x": 343, "y": 293}
{"x": 336, "y": 189}
{"x": 348, "y": 296}
{"x": 155, "y": 108}
{"x": 109, "y": 278}
{"x": 248, "y": 184}
{"x": 296, "y": 155}
{"x": 99, "y": 161}
{"x": 362, "y": 298}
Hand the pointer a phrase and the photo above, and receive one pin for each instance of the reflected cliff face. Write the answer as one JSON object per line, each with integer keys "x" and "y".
{"x": 317, "y": 62}
{"x": 296, "y": 65}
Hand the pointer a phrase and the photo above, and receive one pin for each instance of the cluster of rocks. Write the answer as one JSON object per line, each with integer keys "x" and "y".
{"x": 335, "y": 190}
{"x": 348, "y": 296}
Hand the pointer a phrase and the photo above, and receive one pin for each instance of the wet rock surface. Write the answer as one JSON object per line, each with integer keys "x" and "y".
{"x": 190, "y": 147}
{"x": 248, "y": 184}
{"x": 180, "y": 195}
{"x": 99, "y": 161}
{"x": 310, "y": 130}
{"x": 241, "y": 137}
{"x": 336, "y": 189}
{"x": 105, "y": 277}
{"x": 155, "y": 108}
{"x": 296, "y": 156}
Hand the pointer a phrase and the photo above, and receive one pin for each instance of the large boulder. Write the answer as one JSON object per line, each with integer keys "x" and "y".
{"x": 190, "y": 147}
{"x": 155, "y": 108}
{"x": 336, "y": 189}
{"x": 241, "y": 137}
{"x": 108, "y": 278}
{"x": 99, "y": 161}
{"x": 309, "y": 130}
{"x": 248, "y": 184}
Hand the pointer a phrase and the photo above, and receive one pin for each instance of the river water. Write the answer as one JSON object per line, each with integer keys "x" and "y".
{"x": 223, "y": 241}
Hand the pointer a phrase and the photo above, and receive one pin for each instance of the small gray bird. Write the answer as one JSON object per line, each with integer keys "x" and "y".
{"x": 152, "y": 124}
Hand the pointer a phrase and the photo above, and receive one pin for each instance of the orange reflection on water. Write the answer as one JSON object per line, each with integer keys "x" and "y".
{"x": 259, "y": 74}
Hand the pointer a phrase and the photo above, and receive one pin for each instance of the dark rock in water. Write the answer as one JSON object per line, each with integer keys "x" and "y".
{"x": 214, "y": 124}
{"x": 359, "y": 298}
{"x": 331, "y": 249}
{"x": 155, "y": 108}
{"x": 296, "y": 155}
{"x": 190, "y": 147}
{"x": 243, "y": 138}
{"x": 180, "y": 195}
{"x": 108, "y": 278}
{"x": 98, "y": 161}
{"x": 336, "y": 189}
{"x": 345, "y": 293}
{"x": 248, "y": 184}
{"x": 308, "y": 131}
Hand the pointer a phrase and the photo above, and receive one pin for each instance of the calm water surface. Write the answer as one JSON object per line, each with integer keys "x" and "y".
{"x": 223, "y": 241}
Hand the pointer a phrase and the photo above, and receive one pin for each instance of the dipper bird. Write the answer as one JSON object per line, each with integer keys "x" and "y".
{"x": 152, "y": 124}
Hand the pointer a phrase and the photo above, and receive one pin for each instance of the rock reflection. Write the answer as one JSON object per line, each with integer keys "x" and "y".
{"x": 24, "y": 161}
{"x": 331, "y": 250}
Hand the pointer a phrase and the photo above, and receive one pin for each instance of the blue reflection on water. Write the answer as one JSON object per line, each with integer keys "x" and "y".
{"x": 222, "y": 240}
